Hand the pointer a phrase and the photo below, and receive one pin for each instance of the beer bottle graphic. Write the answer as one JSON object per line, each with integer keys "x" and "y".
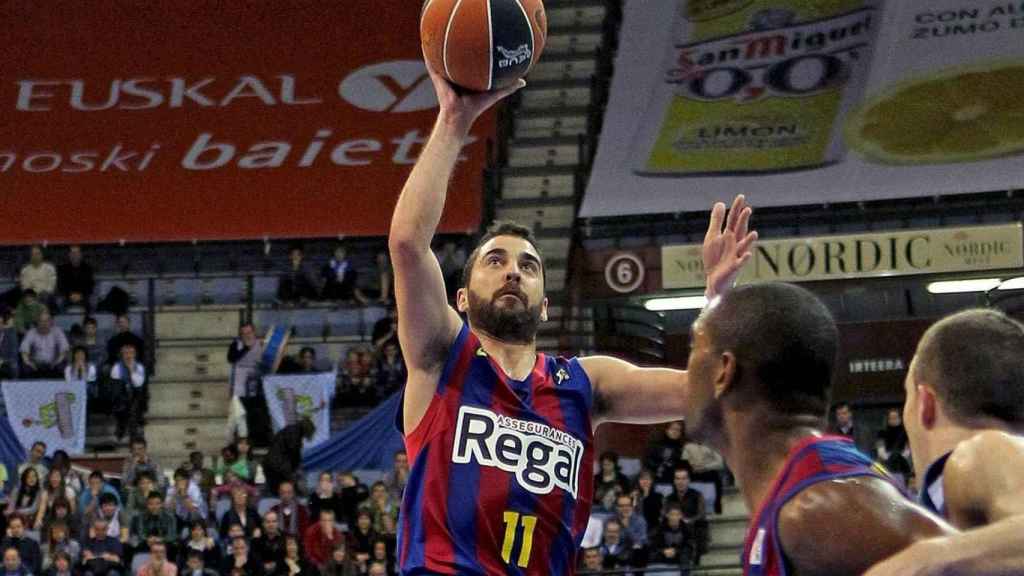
{"x": 755, "y": 86}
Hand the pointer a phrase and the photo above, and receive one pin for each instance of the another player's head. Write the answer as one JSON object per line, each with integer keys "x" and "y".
{"x": 769, "y": 348}
{"x": 503, "y": 285}
{"x": 968, "y": 373}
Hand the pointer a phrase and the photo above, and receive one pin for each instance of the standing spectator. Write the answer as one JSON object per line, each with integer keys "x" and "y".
{"x": 154, "y": 525}
{"x": 324, "y": 497}
{"x": 398, "y": 476}
{"x": 238, "y": 560}
{"x": 38, "y": 275}
{"x": 609, "y": 482}
{"x": 13, "y": 565}
{"x": 285, "y": 453}
{"x": 58, "y": 539}
{"x": 196, "y": 565}
{"x": 706, "y": 465}
{"x": 61, "y": 565}
{"x": 694, "y": 510}
{"x": 294, "y": 516}
{"x": 44, "y": 350}
{"x": 244, "y": 355}
{"x": 339, "y": 275}
{"x": 24, "y": 502}
{"x": 615, "y": 552}
{"x": 8, "y": 345}
{"x": 295, "y": 564}
{"x": 75, "y": 281}
{"x": 322, "y": 538}
{"x": 138, "y": 461}
{"x": 340, "y": 563}
{"x": 634, "y": 528}
{"x": 28, "y": 549}
{"x": 158, "y": 564}
{"x": 672, "y": 542}
{"x": 131, "y": 394}
{"x": 391, "y": 370}
{"x": 102, "y": 554}
{"x": 200, "y": 543}
{"x": 185, "y": 499}
{"x": 36, "y": 457}
{"x": 299, "y": 284}
{"x": 892, "y": 447}
{"x": 647, "y": 499}
{"x": 845, "y": 426}
{"x": 124, "y": 337}
{"x": 242, "y": 513}
{"x": 27, "y": 313}
{"x": 666, "y": 454}
{"x": 268, "y": 548}
{"x": 233, "y": 461}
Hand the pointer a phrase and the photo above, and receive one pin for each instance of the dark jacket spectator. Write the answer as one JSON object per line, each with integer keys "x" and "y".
{"x": 124, "y": 336}
{"x": 666, "y": 453}
{"x": 672, "y": 542}
{"x": 285, "y": 453}
{"x": 648, "y": 501}
{"x": 694, "y": 510}
{"x": 340, "y": 278}
{"x": 75, "y": 282}
{"x": 31, "y": 555}
{"x": 8, "y": 345}
{"x": 609, "y": 482}
{"x": 102, "y": 554}
{"x": 299, "y": 283}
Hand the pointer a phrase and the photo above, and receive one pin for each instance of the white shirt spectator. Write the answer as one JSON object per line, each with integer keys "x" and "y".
{"x": 138, "y": 375}
{"x": 45, "y": 348}
{"x": 177, "y": 505}
{"x": 87, "y": 374}
{"x": 42, "y": 278}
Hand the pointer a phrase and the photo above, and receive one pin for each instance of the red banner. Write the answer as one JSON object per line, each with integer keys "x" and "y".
{"x": 167, "y": 120}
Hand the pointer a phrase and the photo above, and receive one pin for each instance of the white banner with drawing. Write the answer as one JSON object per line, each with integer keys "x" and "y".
{"x": 295, "y": 396}
{"x": 50, "y": 411}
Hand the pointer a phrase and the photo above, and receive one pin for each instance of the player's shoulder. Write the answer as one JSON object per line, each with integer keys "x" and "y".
{"x": 982, "y": 450}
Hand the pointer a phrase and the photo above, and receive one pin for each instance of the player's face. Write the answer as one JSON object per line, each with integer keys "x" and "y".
{"x": 505, "y": 296}
{"x": 911, "y": 413}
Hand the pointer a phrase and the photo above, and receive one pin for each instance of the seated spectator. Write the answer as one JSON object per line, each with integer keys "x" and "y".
{"x": 61, "y": 565}
{"x": 665, "y": 454}
{"x": 158, "y": 564}
{"x": 135, "y": 502}
{"x": 28, "y": 549}
{"x": 386, "y": 329}
{"x": 299, "y": 284}
{"x": 694, "y": 510}
{"x": 61, "y": 513}
{"x": 156, "y": 524}
{"x": 609, "y": 482}
{"x": 140, "y": 461}
{"x": 356, "y": 380}
{"x": 892, "y": 448}
{"x": 379, "y": 285}
{"x": 634, "y": 527}
{"x": 380, "y": 555}
{"x": 706, "y": 465}
{"x": 184, "y": 499}
{"x": 362, "y": 536}
{"x": 391, "y": 370}
{"x": 38, "y": 275}
{"x": 377, "y": 569}
{"x": 324, "y": 497}
{"x": 124, "y": 337}
{"x": 340, "y": 563}
{"x": 235, "y": 530}
{"x": 339, "y": 276}
{"x": 89, "y": 500}
{"x": 58, "y": 539}
{"x": 398, "y": 476}
{"x": 91, "y": 342}
{"x": 844, "y": 425}
{"x": 115, "y": 521}
{"x": 672, "y": 542}
{"x": 285, "y": 452}
{"x": 200, "y": 474}
{"x": 232, "y": 461}
{"x": 196, "y": 565}
{"x": 649, "y": 501}
{"x": 268, "y": 548}
{"x": 322, "y": 538}
{"x": 614, "y": 552}
{"x": 231, "y": 483}
{"x": 379, "y": 505}
{"x": 81, "y": 369}
{"x": 36, "y": 459}
{"x": 25, "y": 499}
{"x": 294, "y": 517}
{"x": 44, "y": 350}
{"x": 352, "y": 493}
{"x": 102, "y": 554}
{"x": 131, "y": 393}
{"x": 241, "y": 513}
{"x": 13, "y": 565}
{"x": 61, "y": 461}
{"x": 592, "y": 561}
{"x": 9, "y": 346}
{"x": 305, "y": 363}
{"x": 75, "y": 282}
{"x": 295, "y": 562}
{"x": 27, "y": 312}
{"x": 199, "y": 543}
{"x": 238, "y": 561}
{"x": 389, "y": 532}
{"x": 54, "y": 489}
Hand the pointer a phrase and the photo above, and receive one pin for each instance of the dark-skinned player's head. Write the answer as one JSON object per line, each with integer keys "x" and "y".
{"x": 968, "y": 372}
{"x": 769, "y": 346}
{"x": 503, "y": 284}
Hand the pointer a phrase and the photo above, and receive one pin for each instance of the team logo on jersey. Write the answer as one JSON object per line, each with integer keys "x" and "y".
{"x": 561, "y": 376}
{"x": 541, "y": 457}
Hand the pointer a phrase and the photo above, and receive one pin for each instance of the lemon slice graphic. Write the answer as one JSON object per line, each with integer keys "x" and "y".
{"x": 961, "y": 115}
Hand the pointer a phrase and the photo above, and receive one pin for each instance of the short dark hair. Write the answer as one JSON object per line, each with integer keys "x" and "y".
{"x": 499, "y": 228}
{"x": 145, "y": 474}
{"x": 840, "y": 405}
{"x": 975, "y": 361}
{"x": 140, "y": 440}
{"x": 89, "y": 320}
{"x": 785, "y": 342}
{"x": 307, "y": 349}
{"x": 154, "y": 495}
{"x": 97, "y": 474}
{"x": 181, "y": 473}
{"x": 107, "y": 498}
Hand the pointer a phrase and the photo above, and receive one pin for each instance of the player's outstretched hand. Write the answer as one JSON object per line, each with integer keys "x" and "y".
{"x": 459, "y": 107}
{"x": 727, "y": 249}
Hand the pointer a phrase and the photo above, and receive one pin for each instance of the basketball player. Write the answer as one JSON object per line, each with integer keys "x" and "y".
{"x": 964, "y": 416}
{"x": 500, "y": 437}
{"x": 759, "y": 387}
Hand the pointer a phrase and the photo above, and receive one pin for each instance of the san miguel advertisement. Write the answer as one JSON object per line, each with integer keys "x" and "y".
{"x": 810, "y": 101}
{"x": 205, "y": 120}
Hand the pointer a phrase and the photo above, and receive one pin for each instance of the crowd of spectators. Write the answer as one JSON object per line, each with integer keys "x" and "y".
{"x": 339, "y": 280}
{"x": 197, "y": 521}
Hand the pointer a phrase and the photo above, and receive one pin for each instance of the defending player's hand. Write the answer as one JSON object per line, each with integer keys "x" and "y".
{"x": 727, "y": 250}
{"x": 460, "y": 108}
{"x": 925, "y": 558}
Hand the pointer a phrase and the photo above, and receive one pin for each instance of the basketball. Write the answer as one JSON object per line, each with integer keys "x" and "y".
{"x": 483, "y": 45}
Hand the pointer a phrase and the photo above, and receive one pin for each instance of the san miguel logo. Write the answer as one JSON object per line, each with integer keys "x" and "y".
{"x": 774, "y": 59}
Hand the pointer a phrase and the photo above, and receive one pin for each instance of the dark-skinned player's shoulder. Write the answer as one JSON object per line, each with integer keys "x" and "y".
{"x": 843, "y": 526}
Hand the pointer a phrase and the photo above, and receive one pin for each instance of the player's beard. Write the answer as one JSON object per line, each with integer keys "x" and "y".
{"x": 517, "y": 326}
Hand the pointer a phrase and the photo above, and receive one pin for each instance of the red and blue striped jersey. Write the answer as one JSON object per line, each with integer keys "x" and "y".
{"x": 501, "y": 478}
{"x": 814, "y": 459}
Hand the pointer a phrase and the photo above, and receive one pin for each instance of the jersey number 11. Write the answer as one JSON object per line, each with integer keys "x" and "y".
{"x": 512, "y": 521}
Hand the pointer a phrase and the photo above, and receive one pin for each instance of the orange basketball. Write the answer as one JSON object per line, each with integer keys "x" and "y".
{"x": 483, "y": 44}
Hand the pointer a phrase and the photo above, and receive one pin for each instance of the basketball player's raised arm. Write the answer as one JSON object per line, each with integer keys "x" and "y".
{"x": 426, "y": 324}
{"x": 630, "y": 394}
{"x": 983, "y": 486}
